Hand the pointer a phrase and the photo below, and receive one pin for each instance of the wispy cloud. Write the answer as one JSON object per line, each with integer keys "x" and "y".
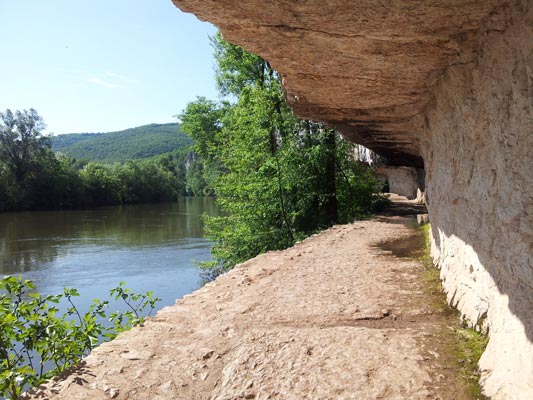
{"x": 106, "y": 79}
{"x": 118, "y": 77}
{"x": 102, "y": 82}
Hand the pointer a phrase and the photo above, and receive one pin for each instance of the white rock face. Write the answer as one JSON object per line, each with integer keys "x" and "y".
{"x": 365, "y": 155}
{"x": 402, "y": 180}
{"x": 479, "y": 182}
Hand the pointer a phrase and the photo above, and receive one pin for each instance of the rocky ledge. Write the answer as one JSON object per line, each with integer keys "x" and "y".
{"x": 365, "y": 67}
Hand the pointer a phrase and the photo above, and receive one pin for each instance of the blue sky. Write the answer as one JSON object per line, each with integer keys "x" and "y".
{"x": 102, "y": 65}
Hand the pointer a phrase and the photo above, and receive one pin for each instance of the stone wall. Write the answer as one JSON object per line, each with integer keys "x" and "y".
{"x": 405, "y": 181}
{"x": 366, "y": 156}
{"x": 479, "y": 167}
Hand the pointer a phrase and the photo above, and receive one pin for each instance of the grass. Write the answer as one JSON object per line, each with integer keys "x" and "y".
{"x": 431, "y": 274}
{"x": 469, "y": 346}
{"x": 465, "y": 345}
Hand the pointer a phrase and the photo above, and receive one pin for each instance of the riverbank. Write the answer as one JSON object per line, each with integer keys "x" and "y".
{"x": 334, "y": 317}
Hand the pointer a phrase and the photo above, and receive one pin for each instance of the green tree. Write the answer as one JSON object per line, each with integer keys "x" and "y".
{"x": 202, "y": 121}
{"x": 237, "y": 68}
{"x": 101, "y": 185}
{"x": 31, "y": 176}
{"x": 279, "y": 178}
{"x": 195, "y": 181}
{"x": 56, "y": 184}
{"x": 22, "y": 144}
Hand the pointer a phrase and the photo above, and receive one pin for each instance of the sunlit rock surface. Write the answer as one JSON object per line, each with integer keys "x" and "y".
{"x": 480, "y": 187}
{"x": 448, "y": 84}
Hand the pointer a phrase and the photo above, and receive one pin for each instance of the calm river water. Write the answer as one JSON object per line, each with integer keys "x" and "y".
{"x": 150, "y": 247}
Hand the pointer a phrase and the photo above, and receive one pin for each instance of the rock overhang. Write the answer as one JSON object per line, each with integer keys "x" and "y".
{"x": 365, "y": 68}
{"x": 443, "y": 82}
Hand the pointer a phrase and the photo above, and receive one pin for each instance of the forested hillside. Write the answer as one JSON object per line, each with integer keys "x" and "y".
{"x": 130, "y": 144}
{"x": 33, "y": 177}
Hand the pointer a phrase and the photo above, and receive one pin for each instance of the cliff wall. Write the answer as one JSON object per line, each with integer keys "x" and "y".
{"x": 366, "y": 68}
{"x": 479, "y": 171}
{"x": 447, "y": 85}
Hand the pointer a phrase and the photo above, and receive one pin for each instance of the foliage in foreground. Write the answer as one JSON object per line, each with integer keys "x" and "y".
{"x": 38, "y": 342}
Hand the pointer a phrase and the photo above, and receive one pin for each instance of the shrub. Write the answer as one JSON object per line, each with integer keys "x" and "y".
{"x": 37, "y": 341}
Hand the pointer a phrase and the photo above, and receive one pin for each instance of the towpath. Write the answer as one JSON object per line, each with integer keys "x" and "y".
{"x": 334, "y": 317}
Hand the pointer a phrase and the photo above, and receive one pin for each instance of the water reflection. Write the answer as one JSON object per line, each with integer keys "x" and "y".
{"x": 28, "y": 240}
{"x": 150, "y": 246}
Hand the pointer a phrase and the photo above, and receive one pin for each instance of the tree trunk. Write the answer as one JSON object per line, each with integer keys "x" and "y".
{"x": 330, "y": 206}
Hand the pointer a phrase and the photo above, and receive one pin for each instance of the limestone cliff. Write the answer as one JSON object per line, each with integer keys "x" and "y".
{"x": 443, "y": 84}
{"x": 365, "y": 67}
{"x": 478, "y": 154}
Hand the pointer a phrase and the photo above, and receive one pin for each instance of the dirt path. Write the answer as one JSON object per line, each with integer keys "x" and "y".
{"x": 333, "y": 317}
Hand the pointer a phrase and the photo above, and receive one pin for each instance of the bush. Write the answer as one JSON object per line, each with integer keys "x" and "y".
{"x": 37, "y": 342}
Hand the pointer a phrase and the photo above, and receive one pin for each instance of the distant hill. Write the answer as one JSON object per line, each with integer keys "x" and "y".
{"x": 135, "y": 143}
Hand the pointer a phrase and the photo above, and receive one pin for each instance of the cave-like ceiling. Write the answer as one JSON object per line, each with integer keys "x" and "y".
{"x": 366, "y": 67}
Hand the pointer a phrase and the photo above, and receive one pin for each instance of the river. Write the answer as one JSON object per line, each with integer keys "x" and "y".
{"x": 150, "y": 247}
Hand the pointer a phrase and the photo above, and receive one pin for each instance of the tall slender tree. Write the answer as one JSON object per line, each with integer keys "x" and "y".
{"x": 278, "y": 177}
